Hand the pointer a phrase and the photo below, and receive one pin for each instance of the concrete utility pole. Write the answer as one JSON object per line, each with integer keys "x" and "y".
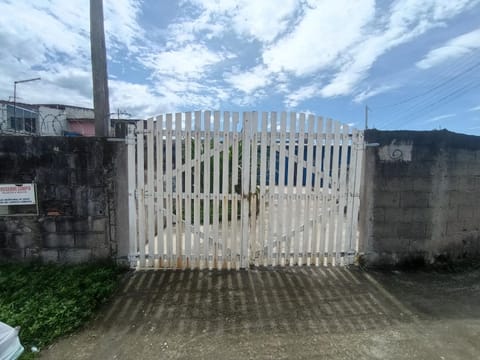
{"x": 99, "y": 69}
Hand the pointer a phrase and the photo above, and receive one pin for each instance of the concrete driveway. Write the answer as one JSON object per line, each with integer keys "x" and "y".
{"x": 294, "y": 313}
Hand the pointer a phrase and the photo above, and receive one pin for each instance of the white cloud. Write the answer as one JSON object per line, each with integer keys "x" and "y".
{"x": 475, "y": 108}
{"x": 121, "y": 23}
{"x": 251, "y": 80}
{"x": 455, "y": 48}
{"x": 368, "y": 93}
{"x": 139, "y": 99}
{"x": 304, "y": 93}
{"x": 317, "y": 42}
{"x": 51, "y": 39}
{"x": 407, "y": 20}
{"x": 191, "y": 61}
{"x": 261, "y": 20}
{"x": 440, "y": 117}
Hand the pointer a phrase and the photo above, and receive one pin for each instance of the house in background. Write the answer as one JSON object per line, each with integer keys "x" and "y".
{"x": 52, "y": 120}
{"x": 21, "y": 119}
{"x": 70, "y": 120}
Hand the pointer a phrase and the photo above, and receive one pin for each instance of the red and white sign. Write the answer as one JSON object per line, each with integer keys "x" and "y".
{"x": 17, "y": 194}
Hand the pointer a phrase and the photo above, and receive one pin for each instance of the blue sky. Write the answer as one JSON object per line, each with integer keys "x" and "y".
{"x": 415, "y": 63}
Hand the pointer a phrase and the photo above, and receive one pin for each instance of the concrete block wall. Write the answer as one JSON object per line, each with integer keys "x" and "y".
{"x": 420, "y": 198}
{"x": 76, "y": 181}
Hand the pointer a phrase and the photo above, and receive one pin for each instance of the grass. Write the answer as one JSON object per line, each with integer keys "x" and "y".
{"x": 48, "y": 301}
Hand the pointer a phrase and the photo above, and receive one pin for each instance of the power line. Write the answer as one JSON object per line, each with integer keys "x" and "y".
{"x": 416, "y": 112}
{"x": 443, "y": 83}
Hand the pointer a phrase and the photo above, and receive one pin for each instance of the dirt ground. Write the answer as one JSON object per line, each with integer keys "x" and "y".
{"x": 294, "y": 313}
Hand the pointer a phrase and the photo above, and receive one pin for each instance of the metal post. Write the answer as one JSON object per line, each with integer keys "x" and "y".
{"x": 15, "y": 105}
{"x": 15, "y": 97}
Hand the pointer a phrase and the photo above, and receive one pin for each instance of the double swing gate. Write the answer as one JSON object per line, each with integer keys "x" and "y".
{"x": 229, "y": 190}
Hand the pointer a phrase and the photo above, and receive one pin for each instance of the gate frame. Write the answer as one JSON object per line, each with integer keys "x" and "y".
{"x": 141, "y": 199}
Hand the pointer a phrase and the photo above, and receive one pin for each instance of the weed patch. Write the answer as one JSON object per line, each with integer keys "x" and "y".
{"x": 48, "y": 301}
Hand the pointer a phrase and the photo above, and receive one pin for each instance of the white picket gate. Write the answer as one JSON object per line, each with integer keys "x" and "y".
{"x": 220, "y": 190}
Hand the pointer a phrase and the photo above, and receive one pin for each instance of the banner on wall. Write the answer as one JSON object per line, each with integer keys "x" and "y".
{"x": 17, "y": 194}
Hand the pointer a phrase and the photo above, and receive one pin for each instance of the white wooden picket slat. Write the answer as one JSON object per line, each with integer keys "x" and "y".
{"x": 160, "y": 201}
{"x": 216, "y": 187}
{"x": 226, "y": 243}
{"x": 178, "y": 258}
{"x": 319, "y": 211}
{"x": 299, "y": 198}
{"x": 326, "y": 193}
{"x": 197, "y": 190}
{"x": 308, "y": 232}
{"x": 150, "y": 198}
{"x": 281, "y": 227}
{"x": 291, "y": 164}
{"x": 206, "y": 190}
{"x": 342, "y": 198}
{"x": 141, "y": 192}
{"x": 188, "y": 189}
{"x": 261, "y": 239}
{"x": 332, "y": 225}
{"x": 273, "y": 238}
{"x": 236, "y": 233}
{"x": 253, "y": 239}
{"x": 246, "y": 138}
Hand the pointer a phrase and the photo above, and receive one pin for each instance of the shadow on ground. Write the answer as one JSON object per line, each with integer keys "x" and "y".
{"x": 299, "y": 312}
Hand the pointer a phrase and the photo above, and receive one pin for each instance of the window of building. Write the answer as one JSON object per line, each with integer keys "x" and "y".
{"x": 22, "y": 120}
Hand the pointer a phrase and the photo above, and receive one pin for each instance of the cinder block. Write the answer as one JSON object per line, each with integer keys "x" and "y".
{"x": 81, "y": 225}
{"x": 64, "y": 223}
{"x": 91, "y": 239}
{"x": 63, "y": 192}
{"x": 8, "y": 254}
{"x": 101, "y": 253}
{"x": 379, "y": 214}
{"x": 3, "y": 240}
{"x": 394, "y": 215}
{"x": 455, "y": 227}
{"x": 96, "y": 208}
{"x": 416, "y": 245}
{"x": 395, "y": 183}
{"x": 462, "y": 198}
{"x": 99, "y": 224}
{"x": 74, "y": 256}
{"x": 56, "y": 240}
{"x": 412, "y": 214}
{"x": 391, "y": 245}
{"x": 24, "y": 240}
{"x": 32, "y": 253}
{"x": 48, "y": 224}
{"x": 466, "y": 156}
{"x": 414, "y": 199}
{"x": 422, "y": 184}
{"x": 411, "y": 230}
{"x": 49, "y": 255}
{"x": 386, "y": 199}
{"x": 384, "y": 230}
{"x": 13, "y": 226}
{"x": 466, "y": 212}
{"x": 424, "y": 168}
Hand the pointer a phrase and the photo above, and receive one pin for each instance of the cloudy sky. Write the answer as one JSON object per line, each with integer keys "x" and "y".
{"x": 415, "y": 63}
